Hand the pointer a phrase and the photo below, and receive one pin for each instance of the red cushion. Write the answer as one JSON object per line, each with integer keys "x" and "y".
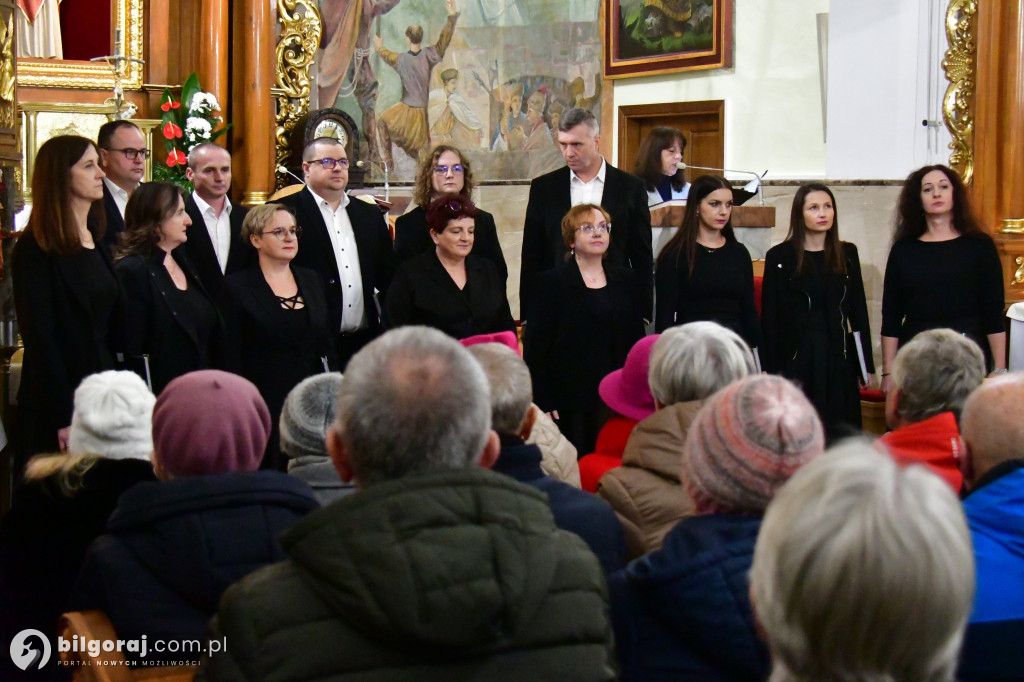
{"x": 758, "y": 283}
{"x": 872, "y": 395}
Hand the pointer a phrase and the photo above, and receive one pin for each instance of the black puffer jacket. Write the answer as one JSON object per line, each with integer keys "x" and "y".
{"x": 456, "y": 575}
{"x": 173, "y": 547}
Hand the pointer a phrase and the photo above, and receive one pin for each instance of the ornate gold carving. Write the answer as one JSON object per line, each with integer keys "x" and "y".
{"x": 56, "y": 73}
{"x": 1018, "y": 277}
{"x": 1012, "y": 226}
{"x": 296, "y": 51}
{"x": 7, "y": 73}
{"x": 960, "y": 65}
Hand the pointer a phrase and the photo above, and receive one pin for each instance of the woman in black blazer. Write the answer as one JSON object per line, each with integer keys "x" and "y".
{"x": 445, "y": 171}
{"x": 812, "y": 304}
{"x": 65, "y": 292}
{"x": 171, "y": 324}
{"x": 449, "y": 288}
{"x": 278, "y": 332}
{"x": 587, "y": 315}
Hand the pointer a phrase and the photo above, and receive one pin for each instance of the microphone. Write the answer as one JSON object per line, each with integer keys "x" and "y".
{"x": 754, "y": 186}
{"x": 384, "y": 166}
{"x": 282, "y": 169}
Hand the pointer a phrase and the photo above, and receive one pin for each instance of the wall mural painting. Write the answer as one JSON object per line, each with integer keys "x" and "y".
{"x": 492, "y": 77}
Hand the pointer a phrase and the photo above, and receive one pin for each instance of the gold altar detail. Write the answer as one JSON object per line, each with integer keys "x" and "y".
{"x": 296, "y": 51}
{"x": 127, "y": 17}
{"x": 960, "y": 66}
{"x": 1018, "y": 277}
{"x": 8, "y": 77}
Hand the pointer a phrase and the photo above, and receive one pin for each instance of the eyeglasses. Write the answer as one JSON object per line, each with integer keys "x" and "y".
{"x": 280, "y": 232}
{"x": 329, "y": 163}
{"x": 457, "y": 169}
{"x": 587, "y": 228}
{"x": 132, "y": 154}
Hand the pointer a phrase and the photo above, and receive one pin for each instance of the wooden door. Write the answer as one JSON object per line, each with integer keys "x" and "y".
{"x": 702, "y": 123}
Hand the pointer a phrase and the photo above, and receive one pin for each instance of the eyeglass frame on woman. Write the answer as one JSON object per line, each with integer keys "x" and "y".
{"x": 280, "y": 232}
{"x": 455, "y": 168}
{"x": 328, "y": 163}
{"x": 587, "y": 228}
{"x": 130, "y": 153}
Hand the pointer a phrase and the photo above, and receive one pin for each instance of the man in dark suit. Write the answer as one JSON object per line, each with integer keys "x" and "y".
{"x": 123, "y": 155}
{"x": 586, "y": 179}
{"x": 215, "y": 246}
{"x": 346, "y": 241}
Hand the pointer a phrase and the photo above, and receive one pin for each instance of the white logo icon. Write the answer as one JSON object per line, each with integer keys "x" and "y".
{"x": 25, "y": 655}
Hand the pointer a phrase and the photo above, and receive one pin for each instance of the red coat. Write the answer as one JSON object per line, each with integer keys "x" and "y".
{"x": 934, "y": 442}
{"x": 611, "y": 441}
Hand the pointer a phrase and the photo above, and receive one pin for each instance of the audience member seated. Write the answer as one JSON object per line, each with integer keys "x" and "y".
{"x": 308, "y": 411}
{"x": 993, "y": 434}
{"x": 512, "y": 417}
{"x": 558, "y": 454}
{"x": 627, "y": 393}
{"x": 173, "y": 546}
{"x": 64, "y": 503}
{"x": 931, "y": 378}
{"x": 862, "y": 571}
{"x": 682, "y": 612}
{"x": 436, "y": 568}
{"x": 688, "y": 363}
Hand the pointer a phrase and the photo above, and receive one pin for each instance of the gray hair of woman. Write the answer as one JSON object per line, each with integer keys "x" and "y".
{"x": 694, "y": 360}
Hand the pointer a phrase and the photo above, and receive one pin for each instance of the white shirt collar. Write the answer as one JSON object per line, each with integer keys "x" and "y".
{"x": 205, "y": 207}
{"x": 320, "y": 201}
{"x": 600, "y": 173}
{"x": 116, "y": 190}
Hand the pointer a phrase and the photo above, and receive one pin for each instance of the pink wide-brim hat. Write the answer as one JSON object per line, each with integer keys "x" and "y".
{"x": 504, "y": 338}
{"x": 626, "y": 390}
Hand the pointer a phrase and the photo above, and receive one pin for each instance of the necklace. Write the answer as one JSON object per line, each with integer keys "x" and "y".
{"x": 710, "y": 249}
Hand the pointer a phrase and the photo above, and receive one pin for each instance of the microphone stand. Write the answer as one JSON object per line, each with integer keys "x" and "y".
{"x": 383, "y": 165}
{"x": 756, "y": 182}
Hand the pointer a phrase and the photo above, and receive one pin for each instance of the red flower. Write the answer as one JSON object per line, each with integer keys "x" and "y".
{"x": 171, "y": 131}
{"x": 176, "y": 158}
{"x": 169, "y": 104}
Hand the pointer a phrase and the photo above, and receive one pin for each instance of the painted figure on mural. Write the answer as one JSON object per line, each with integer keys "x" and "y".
{"x": 345, "y": 66}
{"x": 404, "y": 124}
{"x": 453, "y": 120}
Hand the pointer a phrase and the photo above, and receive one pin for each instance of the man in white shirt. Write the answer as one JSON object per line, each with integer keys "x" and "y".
{"x": 346, "y": 241}
{"x": 214, "y": 245}
{"x": 123, "y": 155}
{"x": 586, "y": 179}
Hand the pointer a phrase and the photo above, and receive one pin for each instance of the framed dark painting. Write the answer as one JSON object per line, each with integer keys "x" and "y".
{"x": 643, "y": 37}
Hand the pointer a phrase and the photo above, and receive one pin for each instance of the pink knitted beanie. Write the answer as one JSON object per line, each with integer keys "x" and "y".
{"x": 746, "y": 441}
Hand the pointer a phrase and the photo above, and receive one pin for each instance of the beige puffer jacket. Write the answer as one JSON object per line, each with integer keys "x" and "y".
{"x": 559, "y": 455}
{"x": 645, "y": 491}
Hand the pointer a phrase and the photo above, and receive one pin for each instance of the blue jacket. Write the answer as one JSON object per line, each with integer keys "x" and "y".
{"x": 995, "y": 515}
{"x": 575, "y": 510}
{"x": 173, "y": 547}
{"x": 683, "y": 612}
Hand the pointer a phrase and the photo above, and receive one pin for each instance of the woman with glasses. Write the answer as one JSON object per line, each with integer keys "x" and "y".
{"x": 449, "y": 288}
{"x": 171, "y": 325}
{"x": 588, "y": 316}
{"x": 445, "y": 171}
{"x": 64, "y": 289}
{"x": 278, "y": 331}
{"x": 704, "y": 273}
{"x": 657, "y": 165}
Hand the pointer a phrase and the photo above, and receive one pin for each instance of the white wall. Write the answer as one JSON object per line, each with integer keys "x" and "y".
{"x": 772, "y": 93}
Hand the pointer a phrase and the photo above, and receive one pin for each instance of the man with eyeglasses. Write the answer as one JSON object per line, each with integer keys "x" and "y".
{"x": 346, "y": 241}
{"x": 215, "y": 244}
{"x": 123, "y": 155}
{"x": 586, "y": 179}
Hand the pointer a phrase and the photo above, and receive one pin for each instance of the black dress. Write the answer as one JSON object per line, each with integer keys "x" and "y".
{"x": 423, "y": 292}
{"x": 66, "y": 306}
{"x": 808, "y": 321}
{"x": 575, "y": 337}
{"x": 274, "y": 344}
{"x": 720, "y": 289}
{"x": 180, "y": 330}
{"x": 956, "y": 284}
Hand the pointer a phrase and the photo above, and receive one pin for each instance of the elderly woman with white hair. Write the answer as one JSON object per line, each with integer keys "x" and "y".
{"x": 682, "y": 612}
{"x": 65, "y": 500}
{"x": 688, "y": 363}
{"x": 849, "y": 586}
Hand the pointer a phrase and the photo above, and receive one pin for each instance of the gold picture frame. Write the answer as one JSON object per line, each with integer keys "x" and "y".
{"x": 127, "y": 16}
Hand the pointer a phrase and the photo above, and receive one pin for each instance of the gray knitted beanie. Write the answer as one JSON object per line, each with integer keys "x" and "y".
{"x": 307, "y": 414}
